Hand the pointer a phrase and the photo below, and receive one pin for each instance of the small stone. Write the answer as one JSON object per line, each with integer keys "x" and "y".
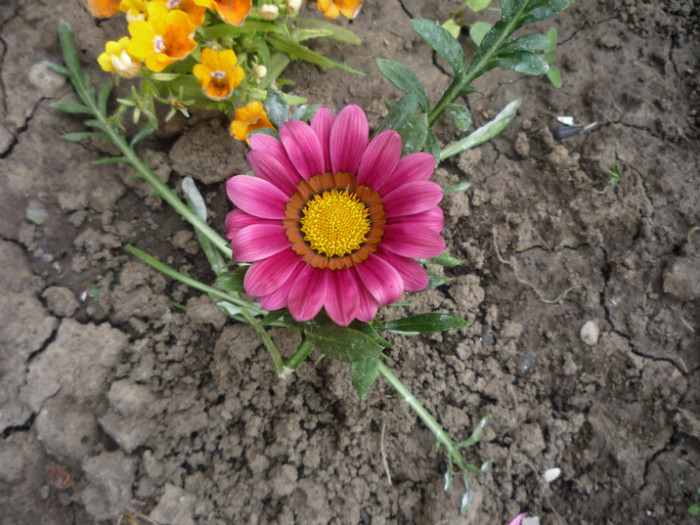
{"x": 589, "y": 333}
{"x": 551, "y": 474}
{"x": 175, "y": 506}
{"x": 61, "y": 301}
{"x": 46, "y": 80}
{"x": 36, "y": 212}
{"x": 522, "y": 146}
{"x": 531, "y": 520}
{"x": 682, "y": 279}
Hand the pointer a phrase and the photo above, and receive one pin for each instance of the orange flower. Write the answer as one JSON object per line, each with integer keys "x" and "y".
{"x": 102, "y": 8}
{"x": 218, "y": 73}
{"x": 164, "y": 38}
{"x": 249, "y": 118}
{"x": 194, "y": 11}
{"x": 117, "y": 60}
{"x": 231, "y": 11}
{"x": 332, "y": 8}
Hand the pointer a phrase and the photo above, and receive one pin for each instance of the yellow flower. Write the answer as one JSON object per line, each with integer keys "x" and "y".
{"x": 231, "y": 11}
{"x": 218, "y": 73}
{"x": 164, "y": 38}
{"x": 332, "y": 8}
{"x": 194, "y": 11}
{"x": 249, "y": 118}
{"x": 135, "y": 9}
{"x": 116, "y": 59}
{"x": 102, "y": 8}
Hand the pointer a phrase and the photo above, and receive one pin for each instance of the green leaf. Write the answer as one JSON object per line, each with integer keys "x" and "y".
{"x": 276, "y": 108}
{"x": 435, "y": 280}
{"x": 552, "y": 37}
{"x": 404, "y": 79}
{"x": 413, "y": 133}
{"x": 305, "y": 112}
{"x": 315, "y": 28}
{"x": 542, "y": 9}
{"x": 478, "y": 31}
{"x": 461, "y": 116}
{"x": 266, "y": 131}
{"x": 444, "y": 259}
{"x": 399, "y": 113}
{"x": 341, "y": 343}
{"x": 441, "y": 41}
{"x": 476, "y": 435}
{"x": 506, "y": 9}
{"x": 80, "y": 135}
{"x": 103, "y": 96}
{"x": 70, "y": 55}
{"x": 364, "y": 373}
{"x": 223, "y": 30}
{"x": 71, "y": 107}
{"x": 110, "y": 160}
{"x": 484, "y": 133}
{"x": 461, "y": 186}
{"x": 276, "y": 65}
{"x": 694, "y": 510}
{"x": 231, "y": 309}
{"x": 58, "y": 68}
{"x": 478, "y": 5}
{"x": 425, "y": 323}
{"x": 532, "y": 42}
{"x": 231, "y": 280}
{"x": 452, "y": 27}
{"x": 523, "y": 62}
{"x": 554, "y": 77}
{"x": 296, "y": 50}
{"x": 144, "y": 132}
{"x": 432, "y": 146}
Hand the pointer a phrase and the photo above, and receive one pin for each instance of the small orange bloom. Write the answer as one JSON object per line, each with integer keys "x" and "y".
{"x": 164, "y": 38}
{"x": 249, "y": 118}
{"x": 218, "y": 73}
{"x": 332, "y": 8}
{"x": 102, "y": 8}
{"x": 231, "y": 11}
{"x": 194, "y": 11}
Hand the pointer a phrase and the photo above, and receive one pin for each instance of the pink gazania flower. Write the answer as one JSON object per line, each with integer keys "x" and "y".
{"x": 332, "y": 220}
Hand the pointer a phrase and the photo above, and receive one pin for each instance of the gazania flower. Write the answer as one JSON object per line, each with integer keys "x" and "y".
{"x": 194, "y": 11}
{"x": 332, "y": 8}
{"x": 231, "y": 11}
{"x": 333, "y": 221}
{"x": 102, "y": 8}
{"x": 249, "y": 118}
{"x": 117, "y": 60}
{"x": 218, "y": 73}
{"x": 162, "y": 39}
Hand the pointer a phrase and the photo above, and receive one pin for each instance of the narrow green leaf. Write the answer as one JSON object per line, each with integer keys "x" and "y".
{"x": 478, "y": 5}
{"x": 552, "y": 37}
{"x": 70, "y": 55}
{"x": 296, "y": 50}
{"x": 364, "y": 373}
{"x": 462, "y": 186}
{"x": 110, "y": 160}
{"x": 435, "y": 280}
{"x": 71, "y": 107}
{"x": 231, "y": 309}
{"x": 231, "y": 280}
{"x": 461, "y": 116}
{"x": 217, "y": 31}
{"x": 58, "y": 68}
{"x": 523, "y": 62}
{"x": 478, "y": 31}
{"x": 315, "y": 28}
{"x": 413, "y": 133}
{"x": 554, "y": 77}
{"x": 276, "y": 108}
{"x": 426, "y": 323}
{"x": 441, "y": 41}
{"x": 266, "y": 131}
{"x": 103, "y": 96}
{"x": 542, "y": 9}
{"x": 444, "y": 259}
{"x": 532, "y": 42}
{"x": 305, "y": 112}
{"x": 144, "y": 132}
{"x": 194, "y": 198}
{"x": 278, "y": 62}
{"x": 80, "y": 135}
{"x": 341, "y": 343}
{"x": 404, "y": 79}
{"x": 476, "y": 434}
{"x": 399, "y": 113}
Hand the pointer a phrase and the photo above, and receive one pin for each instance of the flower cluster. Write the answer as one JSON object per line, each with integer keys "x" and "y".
{"x": 204, "y": 53}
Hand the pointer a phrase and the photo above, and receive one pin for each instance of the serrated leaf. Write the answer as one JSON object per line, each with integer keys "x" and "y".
{"x": 231, "y": 280}
{"x": 444, "y": 259}
{"x": 523, "y": 62}
{"x": 554, "y": 77}
{"x": 399, "y": 113}
{"x": 277, "y": 108}
{"x": 461, "y": 116}
{"x": 425, "y": 323}
{"x": 305, "y": 112}
{"x": 80, "y": 135}
{"x": 461, "y": 186}
{"x": 478, "y": 5}
{"x": 441, "y": 41}
{"x": 404, "y": 79}
{"x": 478, "y": 31}
{"x": 364, "y": 373}
{"x": 435, "y": 280}
{"x": 532, "y": 42}
{"x": 341, "y": 343}
{"x": 71, "y": 107}
{"x": 413, "y": 133}
{"x": 543, "y": 9}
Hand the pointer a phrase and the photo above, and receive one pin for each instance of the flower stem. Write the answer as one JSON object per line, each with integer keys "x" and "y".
{"x": 429, "y": 421}
{"x": 291, "y": 364}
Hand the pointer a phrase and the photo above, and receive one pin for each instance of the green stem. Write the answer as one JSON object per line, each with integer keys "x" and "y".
{"x": 440, "y": 434}
{"x": 299, "y": 356}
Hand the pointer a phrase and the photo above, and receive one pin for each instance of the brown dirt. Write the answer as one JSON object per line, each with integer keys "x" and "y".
{"x": 113, "y": 403}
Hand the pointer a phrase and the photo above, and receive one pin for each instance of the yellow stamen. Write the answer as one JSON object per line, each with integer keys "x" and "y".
{"x": 335, "y": 223}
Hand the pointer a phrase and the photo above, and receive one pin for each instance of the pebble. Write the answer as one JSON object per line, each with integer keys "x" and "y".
{"x": 551, "y": 474}
{"x": 589, "y": 333}
{"x": 36, "y": 212}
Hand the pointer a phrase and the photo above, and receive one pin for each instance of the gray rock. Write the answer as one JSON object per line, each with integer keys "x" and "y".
{"x": 682, "y": 279}
{"x": 69, "y": 432}
{"x": 175, "y": 507}
{"x": 110, "y": 476}
{"x": 61, "y": 301}
{"x": 589, "y": 333}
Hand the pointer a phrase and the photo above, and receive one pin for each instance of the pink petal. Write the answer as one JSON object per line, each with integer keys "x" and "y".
{"x": 343, "y": 297}
{"x": 412, "y": 273}
{"x": 237, "y": 219}
{"x": 266, "y": 276}
{"x": 348, "y": 139}
{"x": 322, "y": 123}
{"x": 414, "y": 241}
{"x": 307, "y": 294}
{"x": 413, "y": 167}
{"x": 303, "y": 148}
{"x": 380, "y": 279}
{"x": 518, "y": 519}
{"x": 278, "y": 298}
{"x": 368, "y": 305}
{"x": 275, "y": 169}
{"x": 411, "y": 198}
{"x": 432, "y": 218}
{"x": 257, "y": 196}
{"x": 259, "y": 241}
{"x": 380, "y": 159}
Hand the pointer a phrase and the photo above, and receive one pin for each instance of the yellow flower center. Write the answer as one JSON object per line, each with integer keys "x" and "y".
{"x": 335, "y": 223}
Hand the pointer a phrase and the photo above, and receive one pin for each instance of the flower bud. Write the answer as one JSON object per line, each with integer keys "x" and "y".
{"x": 269, "y": 12}
{"x": 293, "y": 6}
{"x": 260, "y": 73}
